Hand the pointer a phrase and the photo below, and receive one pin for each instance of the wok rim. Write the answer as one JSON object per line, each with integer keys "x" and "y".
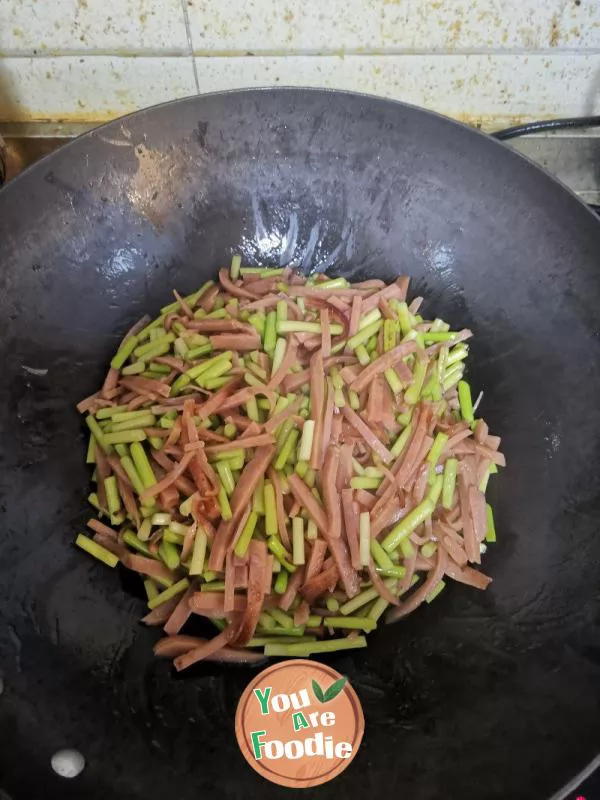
{"x": 286, "y": 90}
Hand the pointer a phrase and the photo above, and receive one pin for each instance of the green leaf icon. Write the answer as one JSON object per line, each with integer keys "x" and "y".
{"x": 334, "y": 690}
{"x": 318, "y": 692}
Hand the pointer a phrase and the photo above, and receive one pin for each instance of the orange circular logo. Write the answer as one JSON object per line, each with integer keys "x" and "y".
{"x": 299, "y": 723}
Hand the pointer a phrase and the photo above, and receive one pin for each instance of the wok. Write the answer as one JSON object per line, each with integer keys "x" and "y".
{"x": 480, "y": 695}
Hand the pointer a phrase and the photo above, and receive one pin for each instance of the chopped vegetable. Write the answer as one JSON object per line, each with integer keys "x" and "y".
{"x": 364, "y": 623}
{"x": 449, "y": 483}
{"x": 364, "y": 538}
{"x": 466, "y": 404}
{"x": 96, "y": 550}
{"x": 290, "y": 458}
{"x": 298, "y": 540}
{"x": 305, "y": 650}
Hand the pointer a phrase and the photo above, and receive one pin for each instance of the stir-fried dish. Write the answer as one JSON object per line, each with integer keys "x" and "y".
{"x": 292, "y": 458}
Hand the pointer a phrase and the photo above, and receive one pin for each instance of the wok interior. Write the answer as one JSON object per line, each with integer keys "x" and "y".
{"x": 100, "y": 233}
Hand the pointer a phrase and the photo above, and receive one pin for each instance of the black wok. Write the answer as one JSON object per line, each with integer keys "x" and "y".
{"x": 480, "y": 695}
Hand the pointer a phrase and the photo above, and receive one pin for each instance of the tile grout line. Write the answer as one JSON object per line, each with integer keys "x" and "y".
{"x": 394, "y": 52}
{"x": 188, "y": 33}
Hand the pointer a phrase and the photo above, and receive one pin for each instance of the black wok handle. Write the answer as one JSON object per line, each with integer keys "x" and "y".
{"x": 545, "y": 125}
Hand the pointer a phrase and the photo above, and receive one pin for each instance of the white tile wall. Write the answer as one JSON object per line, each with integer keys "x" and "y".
{"x": 481, "y": 89}
{"x": 90, "y": 88}
{"x": 489, "y": 61}
{"x": 391, "y": 26}
{"x": 120, "y": 27}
